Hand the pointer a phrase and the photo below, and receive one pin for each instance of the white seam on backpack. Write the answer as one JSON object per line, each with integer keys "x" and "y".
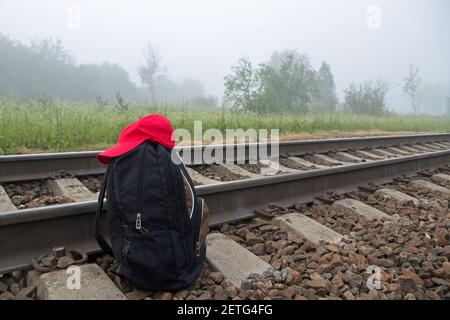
{"x": 192, "y": 193}
{"x": 203, "y": 205}
{"x": 190, "y": 188}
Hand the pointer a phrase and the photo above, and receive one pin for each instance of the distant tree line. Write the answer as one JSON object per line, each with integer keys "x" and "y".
{"x": 45, "y": 68}
{"x": 288, "y": 83}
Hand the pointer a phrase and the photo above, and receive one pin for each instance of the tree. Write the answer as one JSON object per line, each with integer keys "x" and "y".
{"x": 288, "y": 81}
{"x": 149, "y": 70}
{"x": 51, "y": 50}
{"x": 411, "y": 85}
{"x": 45, "y": 68}
{"x": 106, "y": 79}
{"x": 367, "y": 98}
{"x": 325, "y": 98}
{"x": 243, "y": 85}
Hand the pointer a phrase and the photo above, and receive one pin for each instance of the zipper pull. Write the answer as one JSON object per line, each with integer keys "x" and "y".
{"x": 138, "y": 222}
{"x": 197, "y": 248}
{"x": 139, "y": 226}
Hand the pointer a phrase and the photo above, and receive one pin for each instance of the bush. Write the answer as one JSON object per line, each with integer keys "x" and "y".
{"x": 367, "y": 98}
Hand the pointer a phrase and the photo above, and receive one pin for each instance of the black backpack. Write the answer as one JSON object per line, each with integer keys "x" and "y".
{"x": 156, "y": 222}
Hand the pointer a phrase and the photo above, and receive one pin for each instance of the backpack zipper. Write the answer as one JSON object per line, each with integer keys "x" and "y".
{"x": 197, "y": 248}
{"x": 138, "y": 224}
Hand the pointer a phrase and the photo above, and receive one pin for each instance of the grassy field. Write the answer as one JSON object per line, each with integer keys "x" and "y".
{"x": 44, "y": 126}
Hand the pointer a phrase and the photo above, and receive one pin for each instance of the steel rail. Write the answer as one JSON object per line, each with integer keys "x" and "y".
{"x": 40, "y": 166}
{"x": 29, "y": 233}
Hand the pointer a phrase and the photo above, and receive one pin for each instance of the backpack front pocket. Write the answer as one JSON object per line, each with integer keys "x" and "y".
{"x": 150, "y": 261}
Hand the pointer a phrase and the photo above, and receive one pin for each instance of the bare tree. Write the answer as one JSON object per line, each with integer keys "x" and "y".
{"x": 149, "y": 70}
{"x": 411, "y": 85}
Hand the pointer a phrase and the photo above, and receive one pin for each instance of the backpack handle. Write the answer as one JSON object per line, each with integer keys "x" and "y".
{"x": 98, "y": 232}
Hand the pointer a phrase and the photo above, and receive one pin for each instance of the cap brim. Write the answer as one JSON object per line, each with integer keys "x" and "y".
{"x": 117, "y": 150}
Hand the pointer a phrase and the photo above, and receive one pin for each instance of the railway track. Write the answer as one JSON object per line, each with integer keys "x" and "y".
{"x": 329, "y": 171}
{"x": 41, "y": 166}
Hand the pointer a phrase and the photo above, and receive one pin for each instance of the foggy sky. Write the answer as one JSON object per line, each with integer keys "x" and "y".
{"x": 202, "y": 39}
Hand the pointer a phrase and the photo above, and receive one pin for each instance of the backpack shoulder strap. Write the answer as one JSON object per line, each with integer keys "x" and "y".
{"x": 98, "y": 232}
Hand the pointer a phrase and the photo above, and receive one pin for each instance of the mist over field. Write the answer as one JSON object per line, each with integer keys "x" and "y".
{"x": 198, "y": 42}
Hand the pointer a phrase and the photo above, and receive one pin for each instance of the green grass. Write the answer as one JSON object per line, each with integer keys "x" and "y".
{"x": 48, "y": 125}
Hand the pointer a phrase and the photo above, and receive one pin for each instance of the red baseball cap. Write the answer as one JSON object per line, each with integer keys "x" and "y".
{"x": 154, "y": 127}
